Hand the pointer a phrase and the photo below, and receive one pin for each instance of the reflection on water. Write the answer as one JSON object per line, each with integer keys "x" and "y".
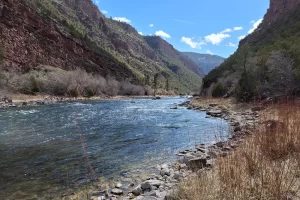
{"x": 41, "y": 154}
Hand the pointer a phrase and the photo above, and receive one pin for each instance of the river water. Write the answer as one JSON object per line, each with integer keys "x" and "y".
{"x": 41, "y": 154}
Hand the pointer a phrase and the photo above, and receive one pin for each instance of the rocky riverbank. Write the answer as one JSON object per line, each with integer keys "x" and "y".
{"x": 191, "y": 162}
{"x": 8, "y": 102}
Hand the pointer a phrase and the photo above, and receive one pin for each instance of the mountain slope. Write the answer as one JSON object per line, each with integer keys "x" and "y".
{"x": 167, "y": 51}
{"x": 73, "y": 33}
{"x": 205, "y": 61}
{"x": 267, "y": 62}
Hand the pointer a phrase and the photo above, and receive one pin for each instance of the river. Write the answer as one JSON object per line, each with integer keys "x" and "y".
{"x": 41, "y": 154}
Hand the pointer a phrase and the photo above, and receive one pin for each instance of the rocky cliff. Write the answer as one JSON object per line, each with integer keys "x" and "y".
{"x": 30, "y": 39}
{"x": 73, "y": 33}
{"x": 278, "y": 8}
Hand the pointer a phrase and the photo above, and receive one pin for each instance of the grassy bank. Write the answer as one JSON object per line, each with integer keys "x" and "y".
{"x": 265, "y": 166}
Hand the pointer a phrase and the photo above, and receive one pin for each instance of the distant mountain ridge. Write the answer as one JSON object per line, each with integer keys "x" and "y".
{"x": 206, "y": 62}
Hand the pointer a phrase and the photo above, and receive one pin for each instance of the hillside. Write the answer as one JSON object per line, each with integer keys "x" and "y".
{"x": 74, "y": 34}
{"x": 205, "y": 61}
{"x": 267, "y": 62}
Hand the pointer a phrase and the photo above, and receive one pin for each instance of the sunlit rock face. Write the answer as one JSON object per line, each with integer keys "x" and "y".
{"x": 279, "y": 8}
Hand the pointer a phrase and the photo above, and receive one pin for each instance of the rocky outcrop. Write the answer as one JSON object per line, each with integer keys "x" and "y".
{"x": 30, "y": 39}
{"x": 278, "y": 8}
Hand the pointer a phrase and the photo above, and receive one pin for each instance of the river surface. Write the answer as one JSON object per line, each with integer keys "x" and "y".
{"x": 41, "y": 153}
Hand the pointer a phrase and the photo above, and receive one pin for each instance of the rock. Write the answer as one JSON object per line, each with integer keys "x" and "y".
{"x": 176, "y": 176}
{"x": 174, "y": 108}
{"x": 156, "y": 183}
{"x": 236, "y": 129}
{"x": 165, "y": 172}
{"x": 146, "y": 198}
{"x": 151, "y": 193}
{"x": 213, "y": 104}
{"x": 257, "y": 108}
{"x": 118, "y": 185}
{"x": 210, "y": 163}
{"x": 183, "y": 166}
{"x": 197, "y": 163}
{"x": 137, "y": 191}
{"x": 220, "y": 144}
{"x": 146, "y": 185}
{"x": 116, "y": 191}
{"x": 164, "y": 166}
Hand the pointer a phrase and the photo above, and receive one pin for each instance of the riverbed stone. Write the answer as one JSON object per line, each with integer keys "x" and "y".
{"x": 137, "y": 190}
{"x": 116, "y": 191}
{"x": 165, "y": 171}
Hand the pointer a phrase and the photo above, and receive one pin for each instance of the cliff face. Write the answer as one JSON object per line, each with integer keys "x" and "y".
{"x": 73, "y": 33}
{"x": 278, "y": 8}
{"x": 30, "y": 39}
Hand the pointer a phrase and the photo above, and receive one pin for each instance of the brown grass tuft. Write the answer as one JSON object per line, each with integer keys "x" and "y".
{"x": 266, "y": 166}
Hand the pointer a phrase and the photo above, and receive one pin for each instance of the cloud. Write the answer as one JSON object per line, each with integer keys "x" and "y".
{"x": 227, "y": 30}
{"x": 255, "y": 25}
{"x": 151, "y": 25}
{"x": 238, "y": 28}
{"x": 97, "y": 2}
{"x": 230, "y": 45}
{"x": 216, "y": 39}
{"x": 209, "y": 52}
{"x": 122, "y": 19}
{"x": 182, "y": 21}
{"x": 241, "y": 37}
{"x": 193, "y": 44}
{"x": 162, "y": 34}
{"x": 104, "y": 11}
{"x": 141, "y": 33}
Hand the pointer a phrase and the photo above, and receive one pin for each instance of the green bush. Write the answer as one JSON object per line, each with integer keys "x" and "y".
{"x": 219, "y": 90}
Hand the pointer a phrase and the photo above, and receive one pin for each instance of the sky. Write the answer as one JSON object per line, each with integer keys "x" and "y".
{"x": 202, "y": 26}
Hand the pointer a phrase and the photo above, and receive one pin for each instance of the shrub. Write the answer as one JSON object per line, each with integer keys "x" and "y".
{"x": 219, "y": 90}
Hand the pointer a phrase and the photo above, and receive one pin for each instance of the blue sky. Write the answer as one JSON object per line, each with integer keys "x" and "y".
{"x": 203, "y": 26}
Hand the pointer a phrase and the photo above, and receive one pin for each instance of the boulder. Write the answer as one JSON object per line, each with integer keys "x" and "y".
{"x": 137, "y": 190}
{"x": 165, "y": 172}
{"x": 116, "y": 191}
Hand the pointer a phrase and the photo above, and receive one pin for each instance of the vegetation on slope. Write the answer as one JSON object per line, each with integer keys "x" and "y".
{"x": 117, "y": 40}
{"x": 267, "y": 63}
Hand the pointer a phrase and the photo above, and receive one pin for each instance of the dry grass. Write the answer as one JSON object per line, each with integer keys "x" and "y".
{"x": 266, "y": 166}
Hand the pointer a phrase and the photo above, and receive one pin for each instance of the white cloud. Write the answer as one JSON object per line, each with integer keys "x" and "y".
{"x": 238, "y": 28}
{"x": 122, "y": 19}
{"x": 193, "y": 44}
{"x": 230, "y": 45}
{"x": 209, "y": 52}
{"x": 151, "y": 25}
{"x": 162, "y": 34}
{"x": 104, "y": 11}
{"x": 182, "y": 21}
{"x": 141, "y": 33}
{"x": 255, "y": 25}
{"x": 216, "y": 39}
{"x": 241, "y": 37}
{"x": 227, "y": 30}
{"x": 97, "y": 2}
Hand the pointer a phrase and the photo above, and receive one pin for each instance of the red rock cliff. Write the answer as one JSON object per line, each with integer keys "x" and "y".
{"x": 30, "y": 39}
{"x": 279, "y": 8}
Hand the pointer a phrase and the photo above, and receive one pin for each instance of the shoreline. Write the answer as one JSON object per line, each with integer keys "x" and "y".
{"x": 40, "y": 100}
{"x": 191, "y": 162}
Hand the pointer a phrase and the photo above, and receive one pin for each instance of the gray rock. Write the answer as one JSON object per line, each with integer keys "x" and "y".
{"x": 137, "y": 191}
{"x": 165, "y": 172}
{"x": 146, "y": 198}
{"x": 118, "y": 185}
{"x": 156, "y": 183}
{"x": 146, "y": 185}
{"x": 151, "y": 193}
{"x": 164, "y": 166}
{"x": 116, "y": 191}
